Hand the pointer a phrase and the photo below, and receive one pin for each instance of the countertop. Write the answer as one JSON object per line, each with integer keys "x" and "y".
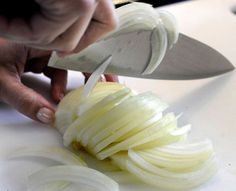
{"x": 208, "y": 104}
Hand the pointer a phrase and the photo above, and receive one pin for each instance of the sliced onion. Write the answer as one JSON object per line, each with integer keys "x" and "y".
{"x": 55, "y": 186}
{"x": 147, "y": 107}
{"x": 84, "y": 177}
{"x": 177, "y": 158}
{"x": 92, "y": 82}
{"x": 172, "y": 135}
{"x": 104, "y": 166}
{"x": 171, "y": 27}
{"x": 108, "y": 128}
{"x": 67, "y": 111}
{"x": 182, "y": 183}
{"x": 122, "y": 177}
{"x": 162, "y": 177}
{"x": 156, "y": 129}
{"x": 58, "y": 154}
{"x": 75, "y": 130}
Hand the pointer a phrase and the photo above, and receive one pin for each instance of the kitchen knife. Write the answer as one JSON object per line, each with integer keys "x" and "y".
{"x": 131, "y": 52}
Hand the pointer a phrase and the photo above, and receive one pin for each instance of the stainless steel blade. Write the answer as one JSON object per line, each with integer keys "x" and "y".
{"x": 131, "y": 53}
{"x": 191, "y": 59}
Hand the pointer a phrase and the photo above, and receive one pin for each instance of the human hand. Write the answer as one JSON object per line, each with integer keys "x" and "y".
{"x": 61, "y": 25}
{"x": 15, "y": 59}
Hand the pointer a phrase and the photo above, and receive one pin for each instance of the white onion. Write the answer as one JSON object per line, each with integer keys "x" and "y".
{"x": 85, "y": 178}
{"x": 58, "y": 154}
{"x": 111, "y": 121}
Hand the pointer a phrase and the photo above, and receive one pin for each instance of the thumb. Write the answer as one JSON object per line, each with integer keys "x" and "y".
{"x": 25, "y": 100}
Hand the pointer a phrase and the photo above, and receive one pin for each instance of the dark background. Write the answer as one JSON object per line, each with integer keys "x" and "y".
{"x": 156, "y": 3}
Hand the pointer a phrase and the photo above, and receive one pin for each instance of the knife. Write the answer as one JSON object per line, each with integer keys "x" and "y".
{"x": 131, "y": 52}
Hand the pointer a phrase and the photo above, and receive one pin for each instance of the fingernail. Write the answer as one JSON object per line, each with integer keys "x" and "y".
{"x": 45, "y": 115}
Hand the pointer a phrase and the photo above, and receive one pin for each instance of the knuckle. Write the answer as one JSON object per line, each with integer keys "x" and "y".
{"x": 113, "y": 22}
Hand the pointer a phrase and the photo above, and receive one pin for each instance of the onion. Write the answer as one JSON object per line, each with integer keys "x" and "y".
{"x": 58, "y": 154}
{"x": 92, "y": 82}
{"x": 112, "y": 122}
{"x": 68, "y": 108}
{"x": 132, "y": 130}
{"x": 174, "y": 167}
{"x": 172, "y": 180}
{"x": 82, "y": 177}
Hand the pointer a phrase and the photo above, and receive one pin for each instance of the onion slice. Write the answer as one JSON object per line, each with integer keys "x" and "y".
{"x": 189, "y": 180}
{"x": 58, "y": 154}
{"x": 88, "y": 87}
{"x": 85, "y": 178}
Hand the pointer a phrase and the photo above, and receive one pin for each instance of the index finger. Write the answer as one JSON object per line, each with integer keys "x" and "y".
{"x": 103, "y": 21}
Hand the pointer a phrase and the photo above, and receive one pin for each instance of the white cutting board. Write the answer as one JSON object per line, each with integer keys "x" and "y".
{"x": 208, "y": 104}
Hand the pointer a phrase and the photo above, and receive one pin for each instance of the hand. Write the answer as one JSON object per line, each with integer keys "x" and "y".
{"x": 15, "y": 59}
{"x": 62, "y": 25}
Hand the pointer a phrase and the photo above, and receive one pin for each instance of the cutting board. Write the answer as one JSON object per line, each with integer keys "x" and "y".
{"x": 208, "y": 104}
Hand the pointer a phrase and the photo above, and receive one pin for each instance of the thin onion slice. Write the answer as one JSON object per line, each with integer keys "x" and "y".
{"x": 176, "y": 160}
{"x": 75, "y": 129}
{"x": 83, "y": 176}
{"x": 158, "y": 128}
{"x": 67, "y": 111}
{"x": 88, "y": 87}
{"x": 146, "y": 108}
{"x": 116, "y": 114}
{"x": 58, "y": 154}
{"x": 55, "y": 186}
{"x": 194, "y": 179}
{"x": 122, "y": 177}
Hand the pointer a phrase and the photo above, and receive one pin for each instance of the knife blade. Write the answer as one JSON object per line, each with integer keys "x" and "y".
{"x": 131, "y": 52}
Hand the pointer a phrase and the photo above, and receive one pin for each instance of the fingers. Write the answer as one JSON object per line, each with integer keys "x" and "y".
{"x": 111, "y": 78}
{"x": 105, "y": 77}
{"x": 58, "y": 84}
{"x": 58, "y": 77}
{"x": 104, "y": 21}
{"x": 69, "y": 39}
{"x": 62, "y": 25}
{"x": 97, "y": 20}
{"x": 24, "y": 99}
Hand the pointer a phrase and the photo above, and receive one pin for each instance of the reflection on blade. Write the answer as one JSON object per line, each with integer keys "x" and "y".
{"x": 131, "y": 52}
{"x": 191, "y": 59}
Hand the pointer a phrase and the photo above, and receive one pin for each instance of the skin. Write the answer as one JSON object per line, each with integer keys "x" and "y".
{"x": 16, "y": 59}
{"x": 63, "y": 25}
